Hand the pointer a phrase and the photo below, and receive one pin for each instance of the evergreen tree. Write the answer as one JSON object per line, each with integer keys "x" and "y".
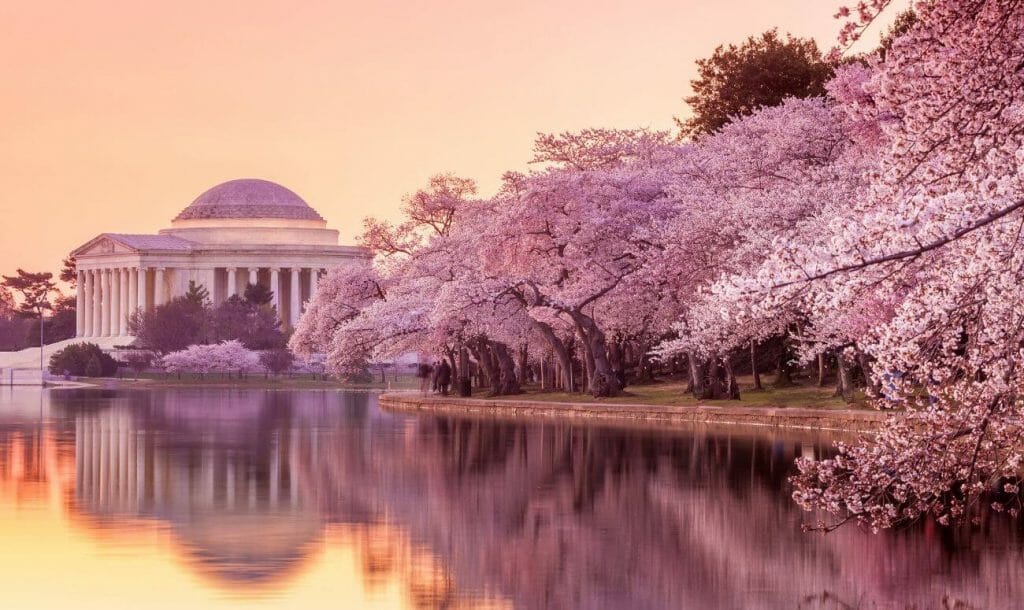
{"x": 737, "y": 80}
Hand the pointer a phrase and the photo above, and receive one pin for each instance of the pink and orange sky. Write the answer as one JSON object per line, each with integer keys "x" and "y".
{"x": 115, "y": 115}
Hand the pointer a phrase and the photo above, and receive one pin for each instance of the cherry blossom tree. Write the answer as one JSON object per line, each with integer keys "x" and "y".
{"x": 939, "y": 241}
{"x": 566, "y": 237}
{"x": 226, "y": 357}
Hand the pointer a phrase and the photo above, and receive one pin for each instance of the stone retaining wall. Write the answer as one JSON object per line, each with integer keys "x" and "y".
{"x": 818, "y": 419}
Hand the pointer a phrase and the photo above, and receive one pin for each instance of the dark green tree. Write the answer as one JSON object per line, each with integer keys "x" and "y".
{"x": 258, "y": 294}
{"x": 173, "y": 326}
{"x": 13, "y": 327}
{"x": 903, "y": 22}
{"x": 35, "y": 290}
{"x": 60, "y": 325}
{"x": 69, "y": 271}
{"x": 763, "y": 71}
{"x": 197, "y": 294}
{"x": 257, "y": 327}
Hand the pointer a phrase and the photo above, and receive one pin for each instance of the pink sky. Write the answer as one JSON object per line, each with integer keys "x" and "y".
{"x": 115, "y": 115}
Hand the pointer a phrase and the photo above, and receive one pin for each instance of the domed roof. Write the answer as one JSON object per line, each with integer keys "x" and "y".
{"x": 249, "y": 198}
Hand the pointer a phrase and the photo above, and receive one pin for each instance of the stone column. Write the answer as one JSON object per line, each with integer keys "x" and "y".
{"x": 87, "y": 304}
{"x": 254, "y": 277}
{"x": 159, "y": 286}
{"x": 97, "y": 303}
{"x": 275, "y": 285}
{"x": 142, "y": 272}
{"x": 133, "y": 290}
{"x": 314, "y": 282}
{"x": 115, "y": 302}
{"x": 295, "y": 306}
{"x": 105, "y": 303}
{"x": 122, "y": 320}
{"x": 232, "y": 282}
{"x": 79, "y": 303}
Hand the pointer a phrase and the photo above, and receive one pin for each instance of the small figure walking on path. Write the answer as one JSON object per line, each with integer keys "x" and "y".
{"x": 444, "y": 377}
{"x": 424, "y": 373}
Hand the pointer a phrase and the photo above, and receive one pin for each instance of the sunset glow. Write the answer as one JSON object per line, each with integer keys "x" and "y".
{"x": 116, "y": 115}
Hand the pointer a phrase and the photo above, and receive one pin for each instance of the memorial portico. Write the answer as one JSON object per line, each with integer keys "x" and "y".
{"x": 237, "y": 233}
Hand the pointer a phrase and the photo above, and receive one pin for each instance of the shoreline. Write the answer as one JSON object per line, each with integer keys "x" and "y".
{"x": 843, "y": 420}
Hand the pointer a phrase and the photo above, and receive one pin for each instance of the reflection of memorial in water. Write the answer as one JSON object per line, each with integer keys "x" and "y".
{"x": 237, "y": 484}
{"x": 235, "y": 504}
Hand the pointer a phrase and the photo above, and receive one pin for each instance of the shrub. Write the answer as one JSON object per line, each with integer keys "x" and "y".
{"x": 277, "y": 360}
{"x": 83, "y": 360}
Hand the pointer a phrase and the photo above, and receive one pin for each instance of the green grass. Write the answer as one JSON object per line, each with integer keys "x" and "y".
{"x": 673, "y": 393}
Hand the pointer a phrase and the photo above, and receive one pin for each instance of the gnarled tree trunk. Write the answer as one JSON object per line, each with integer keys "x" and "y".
{"x": 482, "y": 352}
{"x": 603, "y": 381}
{"x": 508, "y": 382}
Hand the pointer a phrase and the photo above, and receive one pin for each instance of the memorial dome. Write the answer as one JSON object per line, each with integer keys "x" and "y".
{"x": 249, "y": 198}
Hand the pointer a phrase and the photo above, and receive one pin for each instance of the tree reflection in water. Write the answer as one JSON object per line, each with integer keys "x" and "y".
{"x": 468, "y": 512}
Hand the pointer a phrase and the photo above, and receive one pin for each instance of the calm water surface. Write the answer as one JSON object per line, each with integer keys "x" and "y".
{"x": 271, "y": 499}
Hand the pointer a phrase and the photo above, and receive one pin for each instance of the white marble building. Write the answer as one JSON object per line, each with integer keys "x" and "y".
{"x": 239, "y": 232}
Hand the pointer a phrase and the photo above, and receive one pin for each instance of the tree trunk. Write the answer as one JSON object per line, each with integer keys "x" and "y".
{"x": 864, "y": 361}
{"x": 543, "y": 374}
{"x": 644, "y": 366}
{"x": 603, "y": 382}
{"x": 697, "y": 386}
{"x": 821, "y": 369}
{"x": 615, "y": 358}
{"x": 465, "y": 386}
{"x": 732, "y": 387}
{"x": 844, "y": 386}
{"x": 559, "y": 350}
{"x": 482, "y": 352}
{"x": 588, "y": 361}
{"x": 523, "y": 366}
{"x": 753, "y": 366}
{"x": 716, "y": 387}
{"x": 508, "y": 382}
{"x": 784, "y": 375}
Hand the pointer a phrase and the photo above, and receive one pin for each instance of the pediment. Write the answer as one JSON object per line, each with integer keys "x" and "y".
{"x": 102, "y": 245}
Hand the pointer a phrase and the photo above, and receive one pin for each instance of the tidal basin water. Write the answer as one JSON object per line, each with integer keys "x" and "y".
{"x": 215, "y": 498}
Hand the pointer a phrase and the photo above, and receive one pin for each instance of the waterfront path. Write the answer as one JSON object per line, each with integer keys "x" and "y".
{"x": 849, "y": 420}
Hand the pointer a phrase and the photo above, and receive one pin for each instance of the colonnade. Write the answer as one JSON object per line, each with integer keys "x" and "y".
{"x": 107, "y": 297}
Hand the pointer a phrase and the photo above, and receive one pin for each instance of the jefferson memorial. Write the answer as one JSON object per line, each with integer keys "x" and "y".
{"x": 240, "y": 232}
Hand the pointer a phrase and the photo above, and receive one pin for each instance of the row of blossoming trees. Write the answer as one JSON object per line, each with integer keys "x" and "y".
{"x": 880, "y": 224}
